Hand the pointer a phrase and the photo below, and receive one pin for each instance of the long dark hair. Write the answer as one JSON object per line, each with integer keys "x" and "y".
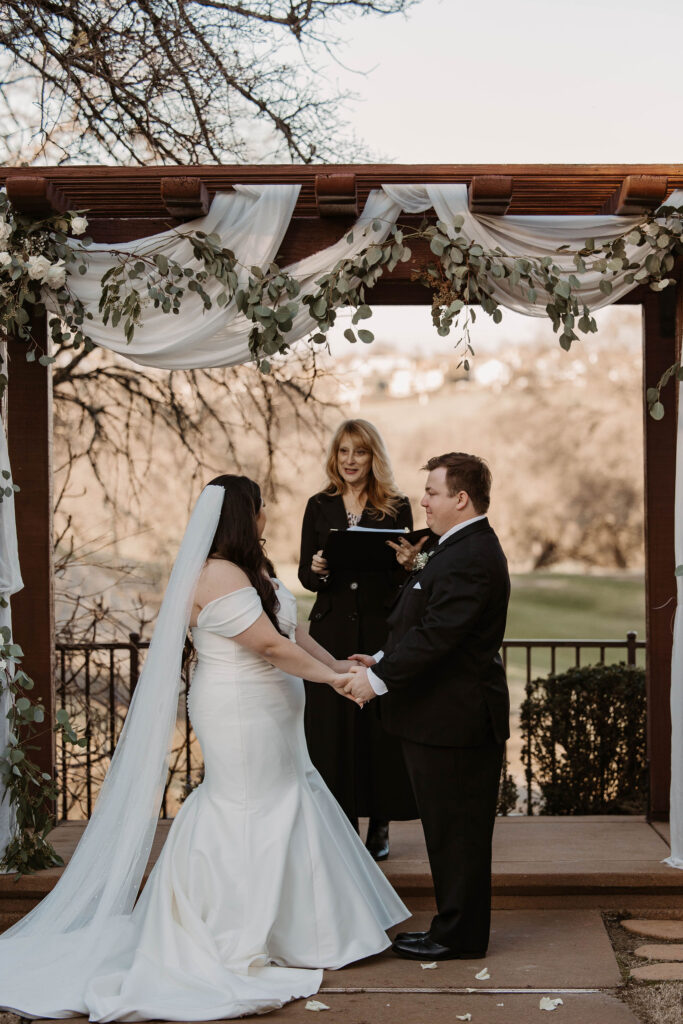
{"x": 236, "y": 538}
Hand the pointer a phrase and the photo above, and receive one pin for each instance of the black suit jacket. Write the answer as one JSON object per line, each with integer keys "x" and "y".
{"x": 441, "y": 663}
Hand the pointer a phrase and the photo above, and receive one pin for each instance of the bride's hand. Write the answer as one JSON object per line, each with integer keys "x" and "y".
{"x": 343, "y": 667}
{"x": 340, "y": 682}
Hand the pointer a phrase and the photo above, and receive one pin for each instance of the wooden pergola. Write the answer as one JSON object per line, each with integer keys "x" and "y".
{"x": 125, "y": 203}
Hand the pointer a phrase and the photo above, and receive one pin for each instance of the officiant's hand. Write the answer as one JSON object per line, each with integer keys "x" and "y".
{"x": 363, "y": 659}
{"x": 359, "y": 686}
{"x": 406, "y": 553}
{"x": 319, "y": 564}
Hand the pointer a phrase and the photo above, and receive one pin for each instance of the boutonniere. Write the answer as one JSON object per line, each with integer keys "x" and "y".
{"x": 421, "y": 560}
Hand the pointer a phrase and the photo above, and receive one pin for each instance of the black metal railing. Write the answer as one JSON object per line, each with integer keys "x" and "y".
{"x": 96, "y": 681}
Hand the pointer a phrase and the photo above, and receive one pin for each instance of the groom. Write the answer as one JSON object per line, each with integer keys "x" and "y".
{"x": 447, "y": 698}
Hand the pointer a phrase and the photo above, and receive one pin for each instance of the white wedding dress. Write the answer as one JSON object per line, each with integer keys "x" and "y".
{"x": 262, "y": 881}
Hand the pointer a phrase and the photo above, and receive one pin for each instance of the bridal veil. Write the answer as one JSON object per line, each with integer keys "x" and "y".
{"x": 103, "y": 877}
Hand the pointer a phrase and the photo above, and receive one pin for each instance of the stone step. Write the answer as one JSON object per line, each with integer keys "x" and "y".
{"x": 655, "y": 929}
{"x": 668, "y": 951}
{"x": 658, "y": 972}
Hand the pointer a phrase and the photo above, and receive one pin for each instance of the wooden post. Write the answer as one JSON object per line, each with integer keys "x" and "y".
{"x": 659, "y": 352}
{"x": 29, "y": 437}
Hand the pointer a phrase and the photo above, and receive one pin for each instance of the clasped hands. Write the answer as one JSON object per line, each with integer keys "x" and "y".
{"x": 355, "y": 685}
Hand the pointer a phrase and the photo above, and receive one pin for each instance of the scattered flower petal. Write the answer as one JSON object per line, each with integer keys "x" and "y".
{"x": 429, "y": 967}
{"x": 483, "y": 974}
{"x": 463, "y": 1016}
{"x": 313, "y": 1004}
{"x": 500, "y": 1004}
{"x": 547, "y": 1003}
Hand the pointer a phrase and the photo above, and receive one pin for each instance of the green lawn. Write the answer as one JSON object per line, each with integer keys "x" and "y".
{"x": 572, "y": 606}
{"x": 544, "y": 605}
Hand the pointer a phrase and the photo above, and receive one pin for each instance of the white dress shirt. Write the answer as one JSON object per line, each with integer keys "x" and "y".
{"x": 375, "y": 682}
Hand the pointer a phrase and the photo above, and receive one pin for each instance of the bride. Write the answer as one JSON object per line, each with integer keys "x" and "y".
{"x": 262, "y": 881}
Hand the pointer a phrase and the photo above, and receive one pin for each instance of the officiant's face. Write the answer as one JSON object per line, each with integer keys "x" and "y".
{"x": 442, "y": 509}
{"x": 354, "y": 460}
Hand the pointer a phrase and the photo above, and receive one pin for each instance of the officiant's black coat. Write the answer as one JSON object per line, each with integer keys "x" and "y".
{"x": 360, "y": 762}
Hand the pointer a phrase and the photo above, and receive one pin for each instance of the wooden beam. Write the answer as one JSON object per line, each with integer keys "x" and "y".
{"x": 185, "y": 197}
{"x": 35, "y": 195}
{"x": 490, "y": 193}
{"x": 638, "y": 193}
{"x": 659, "y": 352}
{"x": 29, "y": 436}
{"x": 336, "y": 195}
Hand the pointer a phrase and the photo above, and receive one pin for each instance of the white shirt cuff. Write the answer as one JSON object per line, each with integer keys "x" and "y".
{"x": 376, "y": 683}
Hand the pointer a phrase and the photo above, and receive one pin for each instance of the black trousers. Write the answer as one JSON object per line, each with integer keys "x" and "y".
{"x": 456, "y": 789}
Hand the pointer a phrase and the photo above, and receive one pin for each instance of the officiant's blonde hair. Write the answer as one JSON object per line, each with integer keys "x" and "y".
{"x": 384, "y": 496}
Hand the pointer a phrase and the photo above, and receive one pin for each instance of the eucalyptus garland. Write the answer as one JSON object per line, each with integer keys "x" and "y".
{"x": 30, "y": 791}
{"x": 38, "y": 258}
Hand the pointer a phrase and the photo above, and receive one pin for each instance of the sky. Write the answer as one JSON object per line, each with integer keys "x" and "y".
{"x": 518, "y": 81}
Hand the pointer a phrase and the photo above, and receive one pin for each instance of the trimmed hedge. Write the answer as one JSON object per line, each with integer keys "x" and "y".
{"x": 585, "y": 730}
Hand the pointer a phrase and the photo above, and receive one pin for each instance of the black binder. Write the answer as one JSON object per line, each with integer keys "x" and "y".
{"x": 365, "y": 550}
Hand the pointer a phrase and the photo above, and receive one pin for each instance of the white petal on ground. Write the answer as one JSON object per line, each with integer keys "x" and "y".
{"x": 429, "y": 967}
{"x": 313, "y": 1004}
{"x": 463, "y": 1016}
{"x": 483, "y": 974}
{"x": 547, "y": 1003}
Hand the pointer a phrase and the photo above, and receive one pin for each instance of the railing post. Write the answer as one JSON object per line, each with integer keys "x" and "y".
{"x": 134, "y": 639}
{"x": 631, "y": 638}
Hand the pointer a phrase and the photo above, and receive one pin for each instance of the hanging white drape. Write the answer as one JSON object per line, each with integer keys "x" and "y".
{"x": 676, "y": 801}
{"x": 10, "y": 583}
{"x": 252, "y": 221}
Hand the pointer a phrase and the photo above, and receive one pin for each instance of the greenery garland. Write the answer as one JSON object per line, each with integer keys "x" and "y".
{"x": 37, "y": 258}
{"x": 31, "y": 792}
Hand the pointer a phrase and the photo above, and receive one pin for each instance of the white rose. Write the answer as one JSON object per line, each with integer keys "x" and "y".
{"x": 55, "y": 275}
{"x": 5, "y": 259}
{"x": 78, "y": 225}
{"x": 5, "y": 231}
{"x": 37, "y": 267}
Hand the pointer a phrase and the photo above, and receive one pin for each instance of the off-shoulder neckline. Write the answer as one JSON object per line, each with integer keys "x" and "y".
{"x": 239, "y": 590}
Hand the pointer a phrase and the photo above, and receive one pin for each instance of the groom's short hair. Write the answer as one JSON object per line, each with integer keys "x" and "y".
{"x": 465, "y": 473}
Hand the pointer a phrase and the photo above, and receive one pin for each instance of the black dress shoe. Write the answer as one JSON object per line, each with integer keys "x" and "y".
{"x": 428, "y": 950}
{"x": 411, "y": 936}
{"x": 377, "y": 842}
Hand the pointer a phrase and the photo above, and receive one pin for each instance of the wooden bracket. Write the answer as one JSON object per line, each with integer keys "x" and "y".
{"x": 34, "y": 195}
{"x": 490, "y": 193}
{"x": 185, "y": 197}
{"x": 637, "y": 193}
{"x": 336, "y": 195}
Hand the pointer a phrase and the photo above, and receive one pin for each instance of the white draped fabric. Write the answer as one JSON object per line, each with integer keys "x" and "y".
{"x": 676, "y": 813}
{"x": 252, "y": 221}
{"x": 10, "y": 583}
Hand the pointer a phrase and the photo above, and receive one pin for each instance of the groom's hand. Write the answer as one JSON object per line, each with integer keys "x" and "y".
{"x": 359, "y": 686}
{"x": 406, "y": 553}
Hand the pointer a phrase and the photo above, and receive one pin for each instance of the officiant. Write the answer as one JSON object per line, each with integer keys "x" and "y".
{"x": 361, "y": 763}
